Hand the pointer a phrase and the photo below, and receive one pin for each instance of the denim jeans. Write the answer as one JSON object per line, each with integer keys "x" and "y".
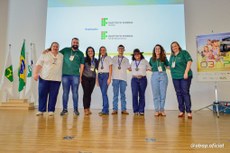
{"x": 102, "y": 79}
{"x": 119, "y": 85}
{"x": 159, "y": 82}
{"x": 70, "y": 81}
{"x": 182, "y": 87}
{"x": 138, "y": 90}
{"x": 45, "y": 88}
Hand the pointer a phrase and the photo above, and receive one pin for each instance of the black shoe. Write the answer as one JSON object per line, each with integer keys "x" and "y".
{"x": 76, "y": 112}
{"x": 64, "y": 112}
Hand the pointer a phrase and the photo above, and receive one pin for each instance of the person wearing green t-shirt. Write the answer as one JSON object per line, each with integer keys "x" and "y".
{"x": 180, "y": 65}
{"x": 159, "y": 79}
{"x": 73, "y": 65}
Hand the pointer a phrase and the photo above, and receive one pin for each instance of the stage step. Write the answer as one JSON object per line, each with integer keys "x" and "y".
{"x": 18, "y": 100}
{"x": 22, "y": 104}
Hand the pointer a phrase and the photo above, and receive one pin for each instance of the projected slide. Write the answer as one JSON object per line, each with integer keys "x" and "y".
{"x": 135, "y": 25}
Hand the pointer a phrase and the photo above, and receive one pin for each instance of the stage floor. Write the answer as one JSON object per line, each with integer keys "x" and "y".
{"x": 23, "y": 131}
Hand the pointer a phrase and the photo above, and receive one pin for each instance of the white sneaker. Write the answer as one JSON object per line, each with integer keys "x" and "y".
{"x": 39, "y": 113}
{"x": 51, "y": 113}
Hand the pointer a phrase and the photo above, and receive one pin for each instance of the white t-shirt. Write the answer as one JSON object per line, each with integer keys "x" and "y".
{"x": 107, "y": 61}
{"x": 51, "y": 66}
{"x": 142, "y": 67}
{"x": 120, "y": 74}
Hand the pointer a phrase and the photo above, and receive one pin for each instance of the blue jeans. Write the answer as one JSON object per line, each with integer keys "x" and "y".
{"x": 138, "y": 90}
{"x": 102, "y": 79}
{"x": 67, "y": 82}
{"x": 159, "y": 81}
{"x": 45, "y": 88}
{"x": 182, "y": 87}
{"x": 119, "y": 84}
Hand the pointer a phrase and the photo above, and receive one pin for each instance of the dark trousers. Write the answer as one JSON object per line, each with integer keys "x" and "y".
{"x": 88, "y": 85}
{"x": 138, "y": 91}
{"x": 182, "y": 87}
{"x": 46, "y": 88}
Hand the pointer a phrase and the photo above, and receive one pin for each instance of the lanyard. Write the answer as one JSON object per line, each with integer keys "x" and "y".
{"x": 157, "y": 62}
{"x": 102, "y": 62}
{"x": 74, "y": 53}
{"x": 92, "y": 62}
{"x": 175, "y": 57}
{"x": 137, "y": 64}
{"x": 120, "y": 61}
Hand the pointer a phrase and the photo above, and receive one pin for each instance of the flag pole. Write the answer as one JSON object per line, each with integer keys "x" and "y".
{"x": 31, "y": 49}
{"x": 6, "y": 93}
{"x": 22, "y": 92}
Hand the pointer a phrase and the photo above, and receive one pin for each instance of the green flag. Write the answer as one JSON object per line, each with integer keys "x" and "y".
{"x": 22, "y": 69}
{"x": 9, "y": 73}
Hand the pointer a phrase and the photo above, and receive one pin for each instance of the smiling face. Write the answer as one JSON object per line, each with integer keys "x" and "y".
{"x": 103, "y": 51}
{"x": 75, "y": 42}
{"x": 90, "y": 53}
{"x": 157, "y": 51}
{"x": 137, "y": 56}
{"x": 175, "y": 48}
{"x": 54, "y": 47}
{"x": 121, "y": 50}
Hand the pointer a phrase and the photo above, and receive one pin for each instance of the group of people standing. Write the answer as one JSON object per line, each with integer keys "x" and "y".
{"x": 69, "y": 67}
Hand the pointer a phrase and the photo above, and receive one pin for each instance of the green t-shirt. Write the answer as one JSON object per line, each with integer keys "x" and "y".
{"x": 156, "y": 63}
{"x": 71, "y": 67}
{"x": 181, "y": 60}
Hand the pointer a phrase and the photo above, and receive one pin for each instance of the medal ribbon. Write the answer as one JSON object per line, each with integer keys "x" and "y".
{"x": 102, "y": 61}
{"x": 137, "y": 64}
{"x": 120, "y": 60}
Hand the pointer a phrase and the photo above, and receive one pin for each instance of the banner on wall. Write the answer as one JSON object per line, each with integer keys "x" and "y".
{"x": 213, "y": 57}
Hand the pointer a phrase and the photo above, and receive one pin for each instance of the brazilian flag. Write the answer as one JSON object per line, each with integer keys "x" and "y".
{"x": 22, "y": 69}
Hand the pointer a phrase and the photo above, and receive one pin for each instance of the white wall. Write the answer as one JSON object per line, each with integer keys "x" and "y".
{"x": 24, "y": 19}
{"x": 203, "y": 17}
{"x": 27, "y": 19}
{"x": 3, "y": 34}
{"x": 3, "y": 31}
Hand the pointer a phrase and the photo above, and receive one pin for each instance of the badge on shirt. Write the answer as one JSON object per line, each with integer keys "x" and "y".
{"x": 92, "y": 68}
{"x": 71, "y": 58}
{"x": 159, "y": 68}
{"x": 173, "y": 64}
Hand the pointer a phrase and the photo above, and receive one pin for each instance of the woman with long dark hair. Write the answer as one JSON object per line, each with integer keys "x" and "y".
{"x": 159, "y": 79}
{"x": 89, "y": 78}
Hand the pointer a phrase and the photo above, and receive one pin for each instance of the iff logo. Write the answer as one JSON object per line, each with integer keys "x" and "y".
{"x": 104, "y": 21}
{"x": 103, "y": 35}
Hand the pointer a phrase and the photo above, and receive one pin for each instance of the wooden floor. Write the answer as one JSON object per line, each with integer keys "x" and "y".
{"x": 22, "y": 131}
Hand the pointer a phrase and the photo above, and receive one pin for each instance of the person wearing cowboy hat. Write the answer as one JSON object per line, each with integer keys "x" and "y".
{"x": 139, "y": 66}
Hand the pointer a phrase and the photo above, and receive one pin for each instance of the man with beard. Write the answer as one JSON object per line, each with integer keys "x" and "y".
{"x": 73, "y": 65}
